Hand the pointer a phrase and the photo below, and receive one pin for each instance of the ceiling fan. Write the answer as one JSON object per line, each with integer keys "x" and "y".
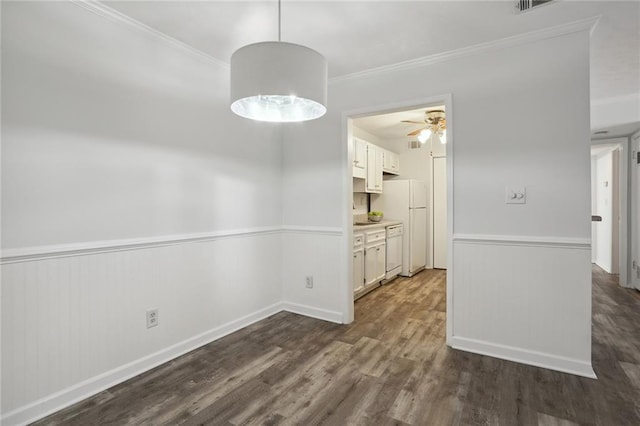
{"x": 435, "y": 125}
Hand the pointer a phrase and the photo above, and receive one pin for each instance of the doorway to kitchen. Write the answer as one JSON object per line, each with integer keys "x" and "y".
{"x": 398, "y": 155}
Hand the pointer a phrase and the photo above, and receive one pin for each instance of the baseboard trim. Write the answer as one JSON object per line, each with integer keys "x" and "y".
{"x": 524, "y": 356}
{"x": 62, "y": 399}
{"x": 310, "y": 311}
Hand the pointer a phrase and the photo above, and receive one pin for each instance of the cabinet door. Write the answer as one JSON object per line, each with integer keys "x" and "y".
{"x": 374, "y": 169}
{"x": 386, "y": 163}
{"x": 379, "y": 165}
{"x": 370, "y": 183}
{"x": 370, "y": 265}
{"x": 381, "y": 261}
{"x": 394, "y": 162}
{"x": 375, "y": 263}
{"x": 391, "y": 162}
{"x": 358, "y": 270}
{"x": 359, "y": 153}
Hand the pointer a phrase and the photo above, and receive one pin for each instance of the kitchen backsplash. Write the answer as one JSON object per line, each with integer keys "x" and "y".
{"x": 360, "y": 206}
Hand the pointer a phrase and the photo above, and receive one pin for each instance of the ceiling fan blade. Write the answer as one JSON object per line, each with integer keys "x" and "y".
{"x": 415, "y": 132}
{"x": 412, "y": 122}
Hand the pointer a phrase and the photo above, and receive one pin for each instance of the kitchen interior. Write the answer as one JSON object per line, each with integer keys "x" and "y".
{"x": 399, "y": 195}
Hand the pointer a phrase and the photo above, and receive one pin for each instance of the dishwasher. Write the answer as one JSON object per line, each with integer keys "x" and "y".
{"x": 394, "y": 250}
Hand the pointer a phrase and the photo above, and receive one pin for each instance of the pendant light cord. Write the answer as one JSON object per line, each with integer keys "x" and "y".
{"x": 279, "y": 21}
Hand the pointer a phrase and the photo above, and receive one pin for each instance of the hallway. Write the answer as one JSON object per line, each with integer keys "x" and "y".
{"x": 391, "y": 366}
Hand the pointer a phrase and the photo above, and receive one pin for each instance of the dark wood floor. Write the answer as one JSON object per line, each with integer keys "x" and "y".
{"x": 389, "y": 367}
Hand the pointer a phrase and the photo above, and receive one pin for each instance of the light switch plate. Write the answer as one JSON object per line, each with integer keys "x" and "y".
{"x": 515, "y": 195}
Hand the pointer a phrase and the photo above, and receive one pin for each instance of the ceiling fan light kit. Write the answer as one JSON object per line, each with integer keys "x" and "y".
{"x": 277, "y": 81}
{"x": 424, "y": 135}
{"x": 436, "y": 126}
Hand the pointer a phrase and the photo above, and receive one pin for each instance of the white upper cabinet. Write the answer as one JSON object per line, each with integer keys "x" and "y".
{"x": 359, "y": 158}
{"x": 391, "y": 162}
{"x": 369, "y": 163}
{"x": 373, "y": 181}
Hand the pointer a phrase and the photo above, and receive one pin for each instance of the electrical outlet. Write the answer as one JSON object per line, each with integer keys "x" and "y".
{"x": 309, "y": 282}
{"x": 152, "y": 318}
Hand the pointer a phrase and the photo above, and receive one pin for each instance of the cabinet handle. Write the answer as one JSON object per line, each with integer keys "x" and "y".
{"x": 378, "y": 249}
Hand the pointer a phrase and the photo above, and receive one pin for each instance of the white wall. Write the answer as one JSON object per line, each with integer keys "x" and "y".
{"x": 362, "y": 134}
{"x": 547, "y": 79}
{"x": 146, "y": 126}
{"x": 127, "y": 184}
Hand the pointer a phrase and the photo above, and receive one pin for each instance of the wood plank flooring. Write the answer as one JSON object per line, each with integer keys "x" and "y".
{"x": 390, "y": 367}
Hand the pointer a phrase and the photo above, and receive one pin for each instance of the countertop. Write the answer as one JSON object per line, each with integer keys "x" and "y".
{"x": 373, "y": 225}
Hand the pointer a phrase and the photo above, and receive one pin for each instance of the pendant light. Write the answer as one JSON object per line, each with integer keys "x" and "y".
{"x": 278, "y": 81}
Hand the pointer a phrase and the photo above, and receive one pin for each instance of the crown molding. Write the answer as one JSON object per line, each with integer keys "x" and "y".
{"x": 513, "y": 41}
{"x": 113, "y": 15}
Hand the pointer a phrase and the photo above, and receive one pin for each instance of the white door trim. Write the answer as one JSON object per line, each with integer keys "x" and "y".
{"x": 624, "y": 229}
{"x": 634, "y": 199}
{"x": 431, "y": 239}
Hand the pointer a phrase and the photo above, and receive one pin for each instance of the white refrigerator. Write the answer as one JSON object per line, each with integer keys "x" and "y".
{"x": 406, "y": 201}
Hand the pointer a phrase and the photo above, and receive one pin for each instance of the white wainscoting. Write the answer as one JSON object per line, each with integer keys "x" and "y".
{"x": 73, "y": 318}
{"x": 525, "y": 299}
{"x": 319, "y": 252}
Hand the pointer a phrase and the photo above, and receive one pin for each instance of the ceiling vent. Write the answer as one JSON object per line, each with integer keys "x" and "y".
{"x": 415, "y": 145}
{"x": 524, "y": 5}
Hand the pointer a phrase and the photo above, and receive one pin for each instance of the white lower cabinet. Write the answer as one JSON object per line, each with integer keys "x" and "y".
{"x": 358, "y": 270}
{"x": 369, "y": 260}
{"x": 358, "y": 263}
{"x": 374, "y": 268}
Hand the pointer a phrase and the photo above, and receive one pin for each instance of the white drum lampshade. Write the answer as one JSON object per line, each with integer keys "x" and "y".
{"x": 279, "y": 82}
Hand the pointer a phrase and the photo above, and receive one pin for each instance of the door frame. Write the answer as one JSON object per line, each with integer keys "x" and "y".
{"x": 634, "y": 201}
{"x": 431, "y": 239}
{"x": 347, "y": 143}
{"x": 623, "y": 197}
